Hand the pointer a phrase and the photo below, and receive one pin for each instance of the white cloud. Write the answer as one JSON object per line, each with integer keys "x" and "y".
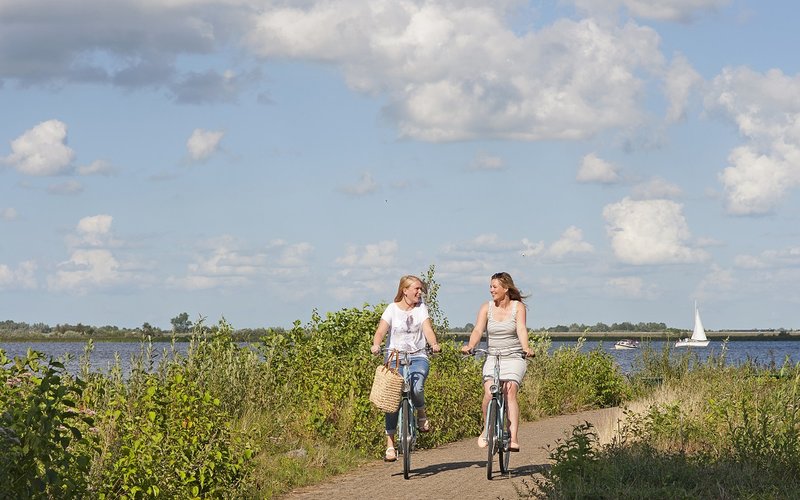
{"x": 20, "y": 278}
{"x": 571, "y": 242}
{"x": 662, "y": 10}
{"x": 776, "y": 259}
{"x": 714, "y": 283}
{"x": 86, "y": 270}
{"x": 8, "y": 213}
{"x": 680, "y": 80}
{"x": 42, "y": 150}
{"x": 224, "y": 262}
{"x": 365, "y": 185}
{"x": 656, "y": 188}
{"x": 628, "y": 286}
{"x": 382, "y": 254}
{"x": 203, "y": 143}
{"x": 458, "y": 71}
{"x": 486, "y": 162}
{"x": 766, "y": 110}
{"x": 594, "y": 169}
{"x": 650, "y": 232}
{"x": 93, "y": 231}
{"x": 97, "y": 167}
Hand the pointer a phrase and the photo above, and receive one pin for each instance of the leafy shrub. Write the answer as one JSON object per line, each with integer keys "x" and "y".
{"x": 44, "y": 435}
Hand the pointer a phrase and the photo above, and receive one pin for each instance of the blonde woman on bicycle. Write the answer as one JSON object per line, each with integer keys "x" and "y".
{"x": 504, "y": 320}
{"x": 410, "y": 328}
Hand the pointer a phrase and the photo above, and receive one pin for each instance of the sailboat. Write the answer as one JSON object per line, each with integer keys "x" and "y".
{"x": 698, "y": 338}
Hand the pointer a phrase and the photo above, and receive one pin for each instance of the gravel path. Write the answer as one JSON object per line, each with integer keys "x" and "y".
{"x": 455, "y": 470}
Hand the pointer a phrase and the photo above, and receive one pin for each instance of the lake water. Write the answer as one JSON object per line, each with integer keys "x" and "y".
{"x": 763, "y": 352}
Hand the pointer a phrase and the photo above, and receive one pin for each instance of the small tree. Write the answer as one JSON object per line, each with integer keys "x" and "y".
{"x": 181, "y": 323}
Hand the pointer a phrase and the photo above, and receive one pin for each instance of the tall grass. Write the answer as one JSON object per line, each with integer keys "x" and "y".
{"x": 227, "y": 421}
{"x": 710, "y": 430}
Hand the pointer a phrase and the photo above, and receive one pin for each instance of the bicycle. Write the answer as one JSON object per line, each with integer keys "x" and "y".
{"x": 407, "y": 432}
{"x": 498, "y": 435}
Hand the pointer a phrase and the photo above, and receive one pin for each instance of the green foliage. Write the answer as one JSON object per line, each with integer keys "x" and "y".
{"x": 44, "y": 434}
{"x": 727, "y": 432}
{"x": 569, "y": 380}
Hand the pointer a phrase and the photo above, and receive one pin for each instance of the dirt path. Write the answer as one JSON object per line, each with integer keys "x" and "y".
{"x": 456, "y": 470}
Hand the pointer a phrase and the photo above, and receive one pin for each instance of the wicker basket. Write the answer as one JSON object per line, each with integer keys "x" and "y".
{"x": 387, "y": 387}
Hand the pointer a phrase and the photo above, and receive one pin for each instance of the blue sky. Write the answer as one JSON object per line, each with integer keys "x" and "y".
{"x": 258, "y": 160}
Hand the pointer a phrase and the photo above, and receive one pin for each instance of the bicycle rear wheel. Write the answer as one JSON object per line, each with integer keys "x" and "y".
{"x": 405, "y": 435}
{"x": 491, "y": 435}
{"x": 504, "y": 452}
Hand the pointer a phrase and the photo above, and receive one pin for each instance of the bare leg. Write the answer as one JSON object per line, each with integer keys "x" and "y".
{"x": 487, "y": 396}
{"x": 510, "y": 388}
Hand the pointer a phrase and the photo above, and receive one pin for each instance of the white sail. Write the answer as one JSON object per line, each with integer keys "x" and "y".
{"x": 699, "y": 333}
{"x": 698, "y": 338}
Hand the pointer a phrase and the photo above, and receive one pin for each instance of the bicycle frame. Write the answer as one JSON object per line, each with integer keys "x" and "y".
{"x": 406, "y": 433}
{"x": 496, "y": 428}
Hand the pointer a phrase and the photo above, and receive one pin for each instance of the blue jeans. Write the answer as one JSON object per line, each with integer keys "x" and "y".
{"x": 417, "y": 372}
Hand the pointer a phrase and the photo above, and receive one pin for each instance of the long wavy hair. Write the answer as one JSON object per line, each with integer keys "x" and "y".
{"x": 507, "y": 281}
{"x": 405, "y": 282}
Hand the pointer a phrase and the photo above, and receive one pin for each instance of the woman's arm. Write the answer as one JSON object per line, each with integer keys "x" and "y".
{"x": 377, "y": 339}
{"x": 430, "y": 335}
{"x": 477, "y": 332}
{"x": 522, "y": 328}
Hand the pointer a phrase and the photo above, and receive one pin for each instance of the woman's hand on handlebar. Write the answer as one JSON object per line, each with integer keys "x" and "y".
{"x": 436, "y": 348}
{"x": 529, "y": 353}
{"x": 375, "y": 349}
{"x": 465, "y": 349}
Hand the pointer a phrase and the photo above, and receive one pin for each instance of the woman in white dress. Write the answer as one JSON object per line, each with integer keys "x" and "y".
{"x": 504, "y": 320}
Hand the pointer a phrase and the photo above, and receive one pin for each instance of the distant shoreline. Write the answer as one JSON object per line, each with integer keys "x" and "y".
{"x": 458, "y": 336}
{"x": 614, "y": 336}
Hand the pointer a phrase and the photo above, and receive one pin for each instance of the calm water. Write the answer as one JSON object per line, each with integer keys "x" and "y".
{"x": 762, "y": 351}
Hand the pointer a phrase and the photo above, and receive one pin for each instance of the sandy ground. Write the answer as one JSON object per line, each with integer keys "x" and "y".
{"x": 456, "y": 470}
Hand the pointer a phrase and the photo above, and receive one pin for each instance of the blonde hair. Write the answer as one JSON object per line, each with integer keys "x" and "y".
{"x": 406, "y": 282}
{"x": 507, "y": 282}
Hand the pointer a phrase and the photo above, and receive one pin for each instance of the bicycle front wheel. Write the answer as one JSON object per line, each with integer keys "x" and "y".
{"x": 491, "y": 435}
{"x": 406, "y": 436}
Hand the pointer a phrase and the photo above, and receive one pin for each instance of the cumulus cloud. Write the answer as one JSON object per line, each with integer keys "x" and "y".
{"x": 570, "y": 243}
{"x": 381, "y": 254}
{"x": 650, "y": 232}
{"x": 225, "y": 262}
{"x": 656, "y": 188}
{"x": 365, "y": 185}
{"x": 458, "y": 71}
{"x": 93, "y": 231}
{"x": 42, "y": 150}
{"x": 86, "y": 270}
{"x": 203, "y": 143}
{"x": 594, "y": 169}
{"x": 23, "y": 277}
{"x": 766, "y": 110}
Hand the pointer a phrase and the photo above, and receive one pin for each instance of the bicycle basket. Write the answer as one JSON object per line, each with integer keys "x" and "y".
{"x": 387, "y": 386}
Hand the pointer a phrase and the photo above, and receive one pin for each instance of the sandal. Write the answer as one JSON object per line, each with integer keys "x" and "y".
{"x": 391, "y": 455}
{"x": 482, "y": 442}
{"x": 423, "y": 424}
{"x": 513, "y": 447}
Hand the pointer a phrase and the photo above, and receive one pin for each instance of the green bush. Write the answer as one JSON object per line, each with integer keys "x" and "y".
{"x": 45, "y": 436}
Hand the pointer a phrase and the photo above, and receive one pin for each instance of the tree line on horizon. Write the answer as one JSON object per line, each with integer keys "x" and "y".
{"x": 182, "y": 325}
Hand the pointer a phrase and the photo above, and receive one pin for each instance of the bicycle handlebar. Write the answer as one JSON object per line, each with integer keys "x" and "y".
{"x": 496, "y": 352}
